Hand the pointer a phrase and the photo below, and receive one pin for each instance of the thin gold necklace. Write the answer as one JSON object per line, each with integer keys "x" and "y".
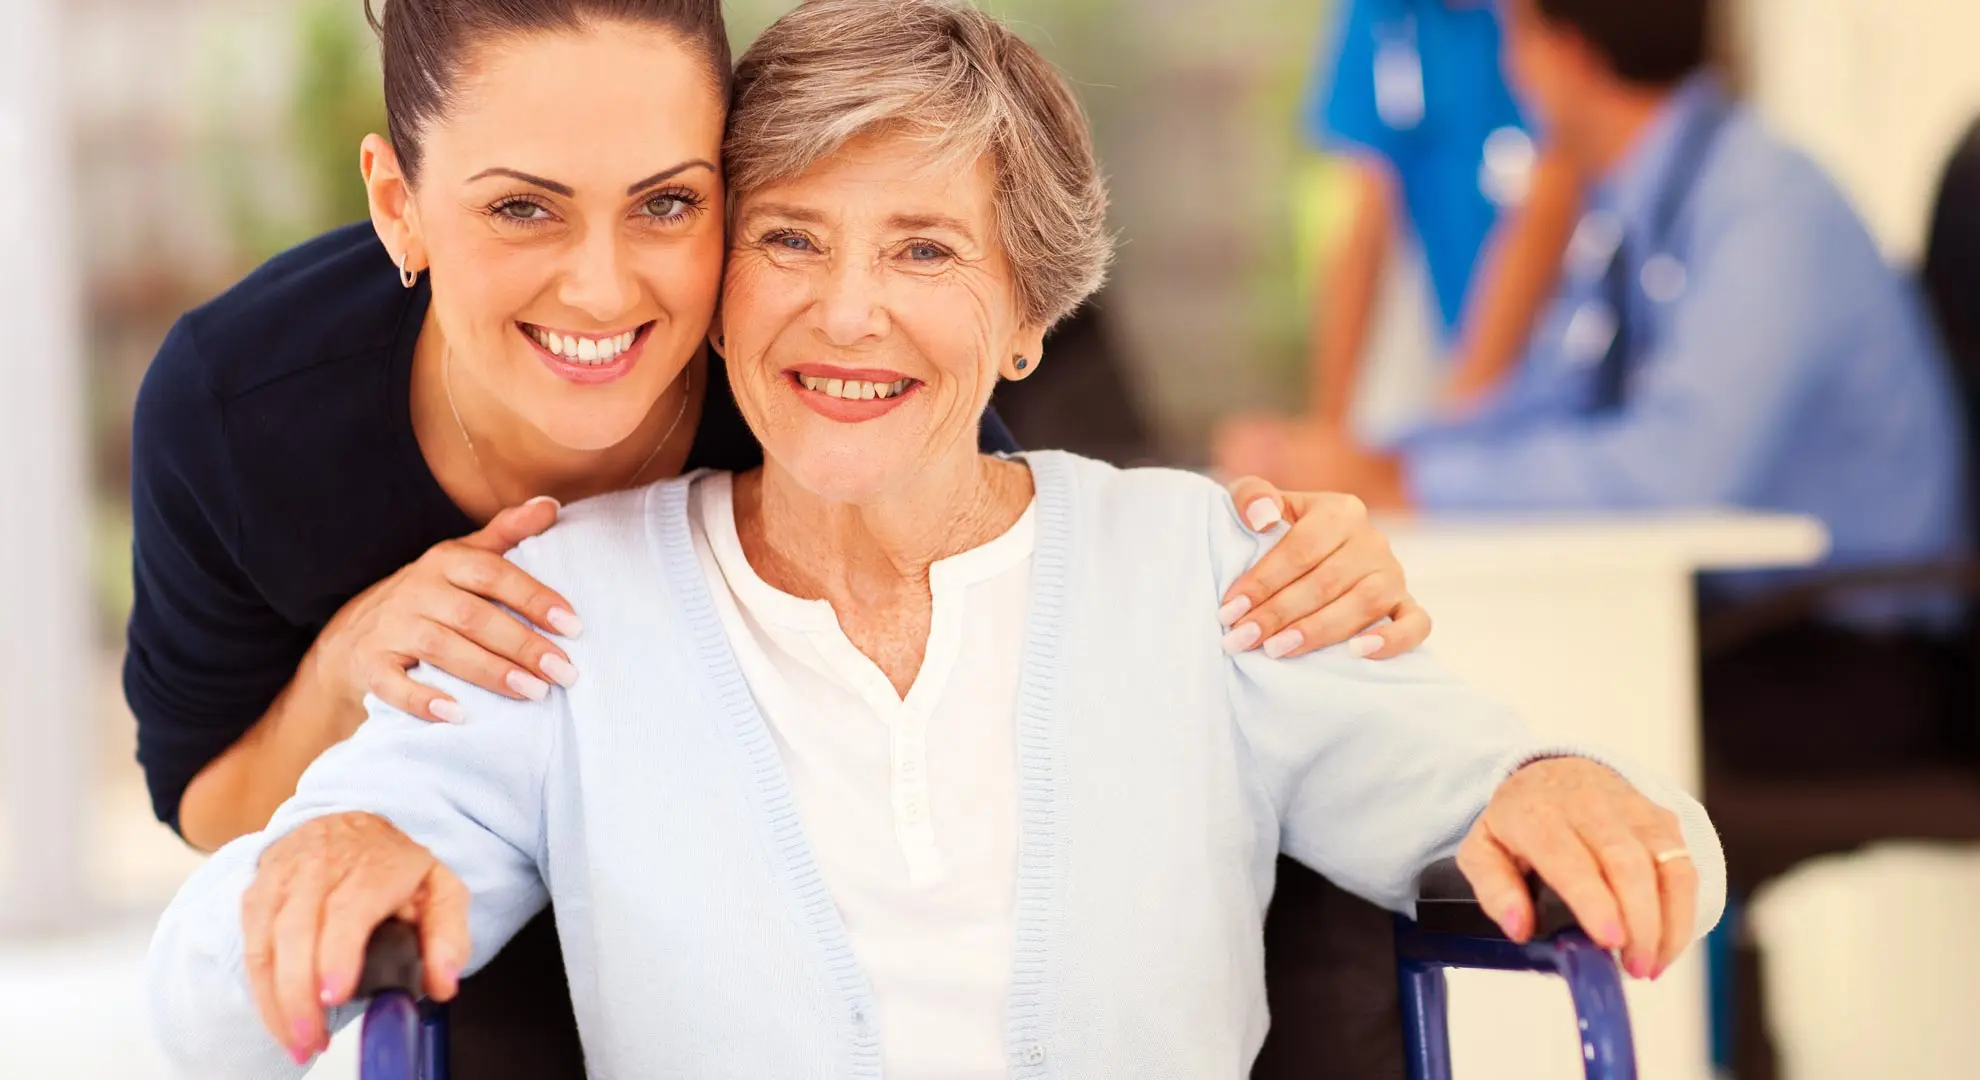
{"x": 447, "y": 382}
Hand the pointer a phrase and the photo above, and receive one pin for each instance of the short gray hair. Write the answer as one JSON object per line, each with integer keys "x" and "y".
{"x": 941, "y": 71}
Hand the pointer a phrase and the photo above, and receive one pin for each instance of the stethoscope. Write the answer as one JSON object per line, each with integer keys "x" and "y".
{"x": 1505, "y": 169}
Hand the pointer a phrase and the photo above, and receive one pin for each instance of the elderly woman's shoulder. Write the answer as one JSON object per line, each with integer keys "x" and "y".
{"x": 1147, "y": 494}
{"x": 602, "y": 538}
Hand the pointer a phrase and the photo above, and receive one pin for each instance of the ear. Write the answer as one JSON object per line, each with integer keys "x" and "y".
{"x": 393, "y": 214}
{"x": 718, "y": 339}
{"x": 1028, "y": 346}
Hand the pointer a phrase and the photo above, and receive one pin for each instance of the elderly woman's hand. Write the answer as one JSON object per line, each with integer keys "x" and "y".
{"x": 1332, "y": 577}
{"x": 319, "y": 893}
{"x": 1618, "y": 859}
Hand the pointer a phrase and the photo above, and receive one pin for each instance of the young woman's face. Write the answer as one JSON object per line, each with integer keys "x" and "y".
{"x": 569, "y": 208}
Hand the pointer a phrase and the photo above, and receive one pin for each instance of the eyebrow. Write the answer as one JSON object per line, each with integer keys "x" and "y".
{"x": 784, "y": 210}
{"x": 931, "y": 221}
{"x": 898, "y": 221}
{"x": 567, "y": 191}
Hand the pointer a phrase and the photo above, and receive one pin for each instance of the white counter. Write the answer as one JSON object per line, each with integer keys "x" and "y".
{"x": 1587, "y": 626}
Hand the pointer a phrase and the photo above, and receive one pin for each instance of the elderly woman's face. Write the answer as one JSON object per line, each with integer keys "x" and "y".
{"x": 867, "y": 312}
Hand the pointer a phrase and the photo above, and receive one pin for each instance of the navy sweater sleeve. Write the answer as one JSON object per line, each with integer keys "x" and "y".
{"x": 207, "y": 654}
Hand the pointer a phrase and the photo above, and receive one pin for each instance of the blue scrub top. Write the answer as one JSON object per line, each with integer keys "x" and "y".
{"x": 1419, "y": 84}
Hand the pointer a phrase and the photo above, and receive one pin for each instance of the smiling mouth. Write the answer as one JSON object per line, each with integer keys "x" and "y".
{"x": 854, "y": 389}
{"x": 585, "y": 351}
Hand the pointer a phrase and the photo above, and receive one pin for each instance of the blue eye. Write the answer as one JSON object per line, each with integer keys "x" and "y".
{"x": 789, "y": 241}
{"x": 924, "y": 251}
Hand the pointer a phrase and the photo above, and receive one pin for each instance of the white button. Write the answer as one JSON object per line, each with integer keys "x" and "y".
{"x": 1590, "y": 333}
{"x": 1596, "y": 240}
{"x": 1664, "y": 279}
{"x": 1034, "y": 1054}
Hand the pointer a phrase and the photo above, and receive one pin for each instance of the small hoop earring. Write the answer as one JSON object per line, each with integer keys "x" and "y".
{"x": 1022, "y": 363}
{"x": 408, "y": 278}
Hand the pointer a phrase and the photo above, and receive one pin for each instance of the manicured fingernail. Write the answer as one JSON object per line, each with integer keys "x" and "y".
{"x": 1283, "y": 643}
{"x": 1639, "y": 969}
{"x": 528, "y": 685}
{"x": 1242, "y": 638}
{"x": 327, "y": 993}
{"x": 560, "y": 670}
{"x": 1513, "y": 922}
{"x": 298, "y": 1055}
{"x": 1233, "y": 611}
{"x": 1365, "y": 646}
{"x": 300, "y": 1029}
{"x": 448, "y": 712}
{"x": 1263, "y": 514}
{"x": 545, "y": 499}
{"x": 565, "y": 623}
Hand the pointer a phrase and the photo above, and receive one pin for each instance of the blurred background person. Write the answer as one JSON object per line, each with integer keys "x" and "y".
{"x": 1726, "y": 334}
{"x": 1443, "y": 178}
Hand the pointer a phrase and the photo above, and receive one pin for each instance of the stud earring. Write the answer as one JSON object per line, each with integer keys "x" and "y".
{"x": 1022, "y": 363}
{"x": 407, "y": 277}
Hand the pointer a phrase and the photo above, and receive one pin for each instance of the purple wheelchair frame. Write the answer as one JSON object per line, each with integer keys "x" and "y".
{"x": 405, "y": 1040}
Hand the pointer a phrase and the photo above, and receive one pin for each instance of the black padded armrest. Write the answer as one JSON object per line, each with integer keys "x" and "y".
{"x": 1445, "y": 905}
{"x": 1725, "y": 627}
{"x": 391, "y": 960}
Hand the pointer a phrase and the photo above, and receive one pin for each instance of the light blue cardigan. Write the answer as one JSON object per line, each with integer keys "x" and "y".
{"x": 1158, "y": 780}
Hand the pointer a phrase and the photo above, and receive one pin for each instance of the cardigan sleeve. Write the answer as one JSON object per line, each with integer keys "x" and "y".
{"x": 471, "y": 793}
{"x": 1378, "y": 768}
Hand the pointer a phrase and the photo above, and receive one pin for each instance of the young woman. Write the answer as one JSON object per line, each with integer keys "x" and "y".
{"x": 332, "y": 458}
{"x": 954, "y": 780}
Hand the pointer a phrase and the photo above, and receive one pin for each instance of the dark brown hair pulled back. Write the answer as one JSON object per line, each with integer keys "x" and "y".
{"x": 425, "y": 46}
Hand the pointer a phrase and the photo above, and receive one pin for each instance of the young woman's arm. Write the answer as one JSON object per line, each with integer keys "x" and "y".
{"x": 233, "y": 701}
{"x": 1349, "y": 289}
{"x": 1519, "y": 274}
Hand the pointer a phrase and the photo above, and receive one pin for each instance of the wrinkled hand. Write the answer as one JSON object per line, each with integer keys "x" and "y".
{"x": 319, "y": 893}
{"x": 441, "y": 610}
{"x": 1595, "y": 839}
{"x": 1330, "y": 578}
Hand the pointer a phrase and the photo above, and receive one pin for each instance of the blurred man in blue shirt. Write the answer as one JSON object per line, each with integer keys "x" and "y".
{"x": 1725, "y": 333}
{"x": 1437, "y": 152}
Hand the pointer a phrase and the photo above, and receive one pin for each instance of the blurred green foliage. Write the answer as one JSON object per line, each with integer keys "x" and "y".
{"x": 336, "y": 98}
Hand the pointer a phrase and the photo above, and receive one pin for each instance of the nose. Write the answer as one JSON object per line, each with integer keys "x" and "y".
{"x": 850, "y": 306}
{"x": 599, "y": 280}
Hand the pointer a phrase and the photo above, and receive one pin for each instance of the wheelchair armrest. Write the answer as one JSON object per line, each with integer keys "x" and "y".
{"x": 391, "y": 960}
{"x": 1446, "y": 905}
{"x": 1729, "y": 626}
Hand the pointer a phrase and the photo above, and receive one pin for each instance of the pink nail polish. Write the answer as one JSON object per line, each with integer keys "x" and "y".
{"x": 560, "y": 670}
{"x": 1283, "y": 643}
{"x": 528, "y": 686}
{"x": 1262, "y": 514}
{"x": 1514, "y": 923}
{"x": 326, "y": 995}
{"x": 1233, "y": 611}
{"x": 1242, "y": 638}
{"x": 448, "y": 712}
{"x": 565, "y": 623}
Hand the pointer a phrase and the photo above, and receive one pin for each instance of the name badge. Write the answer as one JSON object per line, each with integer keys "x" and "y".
{"x": 1399, "y": 80}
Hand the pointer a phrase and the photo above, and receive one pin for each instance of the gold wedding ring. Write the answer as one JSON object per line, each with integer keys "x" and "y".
{"x": 1672, "y": 855}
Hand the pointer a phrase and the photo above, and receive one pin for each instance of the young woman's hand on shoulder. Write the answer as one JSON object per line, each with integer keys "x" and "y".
{"x": 443, "y": 610}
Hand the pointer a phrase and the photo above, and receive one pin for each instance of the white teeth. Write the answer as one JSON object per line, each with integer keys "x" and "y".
{"x": 852, "y": 389}
{"x": 579, "y": 350}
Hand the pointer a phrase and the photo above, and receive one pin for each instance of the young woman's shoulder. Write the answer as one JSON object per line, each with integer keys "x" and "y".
{"x": 334, "y": 297}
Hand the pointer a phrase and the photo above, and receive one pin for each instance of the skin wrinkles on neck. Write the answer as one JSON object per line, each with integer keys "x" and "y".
{"x": 872, "y": 562}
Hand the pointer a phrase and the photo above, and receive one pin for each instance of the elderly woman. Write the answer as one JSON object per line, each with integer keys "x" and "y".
{"x": 892, "y": 755}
